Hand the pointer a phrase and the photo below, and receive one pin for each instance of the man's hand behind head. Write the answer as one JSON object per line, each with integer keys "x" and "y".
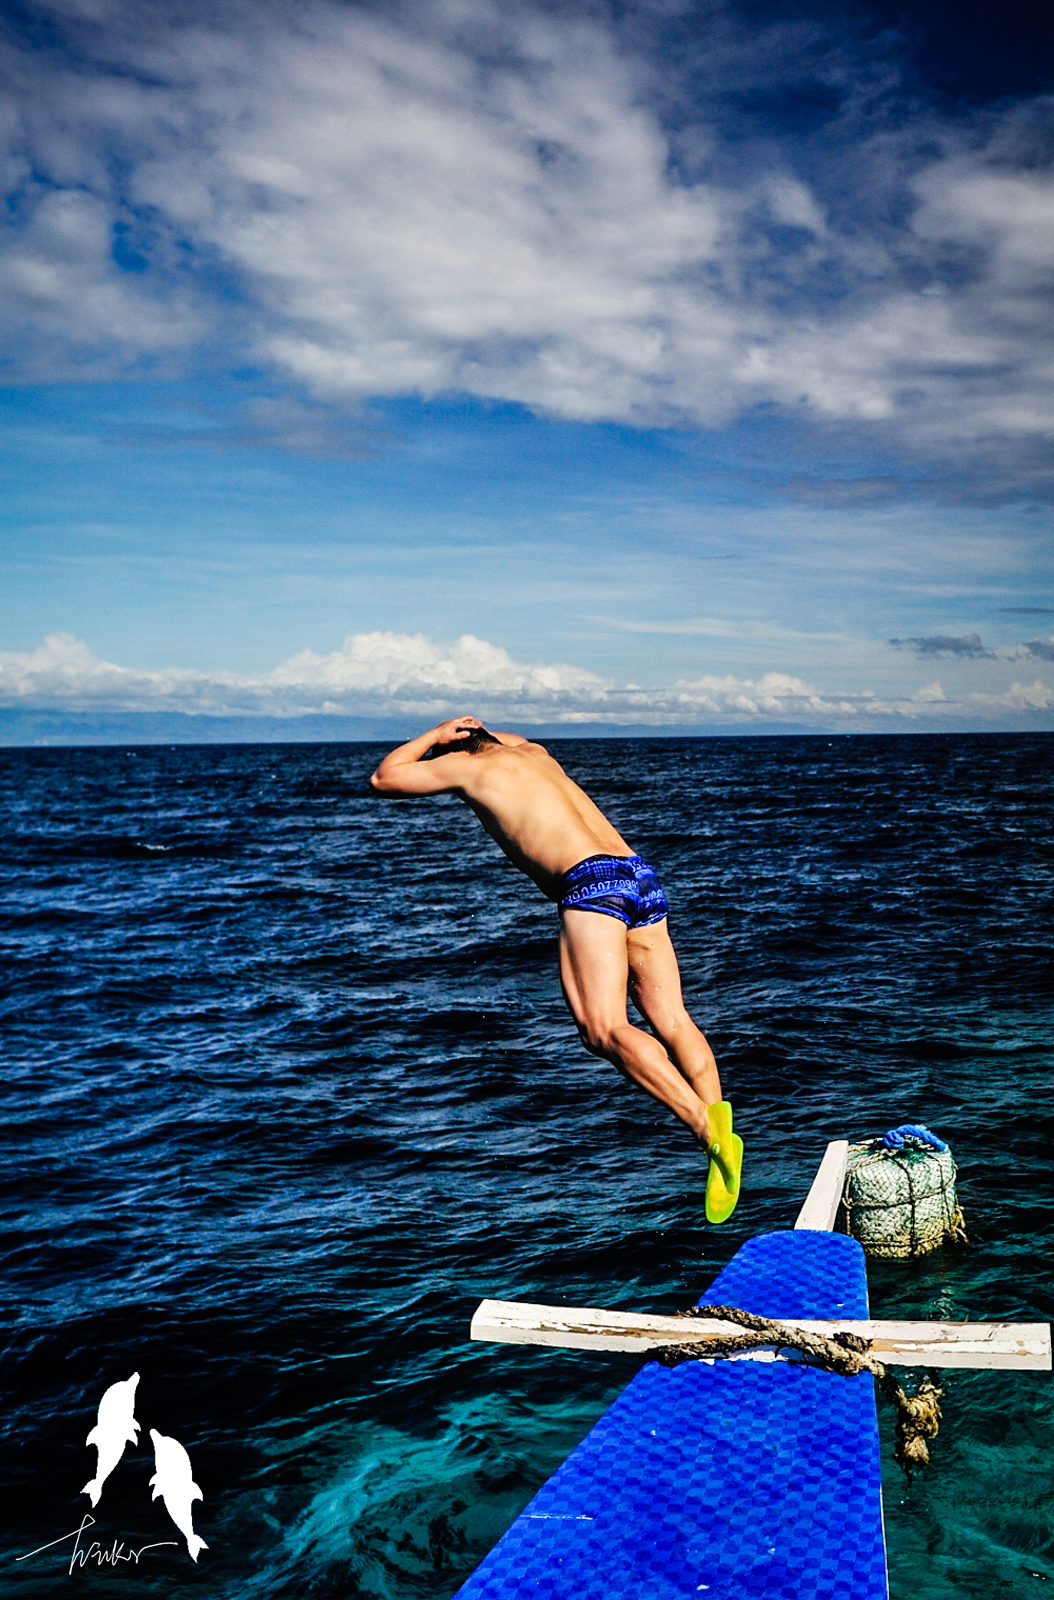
{"x": 469, "y": 734}
{"x": 450, "y": 734}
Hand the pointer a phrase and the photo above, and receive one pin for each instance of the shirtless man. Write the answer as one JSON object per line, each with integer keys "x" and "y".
{"x": 552, "y": 831}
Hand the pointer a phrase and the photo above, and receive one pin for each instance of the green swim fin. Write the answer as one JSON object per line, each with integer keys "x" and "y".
{"x": 726, "y": 1164}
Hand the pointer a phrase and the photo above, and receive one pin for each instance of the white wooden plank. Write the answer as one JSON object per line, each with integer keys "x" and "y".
{"x": 1011, "y": 1346}
{"x": 822, "y": 1201}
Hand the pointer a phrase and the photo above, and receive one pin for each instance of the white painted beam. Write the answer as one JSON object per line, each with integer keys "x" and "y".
{"x": 1010, "y": 1346}
{"x": 823, "y": 1199}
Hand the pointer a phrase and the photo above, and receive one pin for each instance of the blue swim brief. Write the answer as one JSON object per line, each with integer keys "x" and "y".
{"x": 618, "y": 886}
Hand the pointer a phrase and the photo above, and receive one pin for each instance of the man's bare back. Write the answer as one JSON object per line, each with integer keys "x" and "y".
{"x": 551, "y": 830}
{"x": 538, "y": 815}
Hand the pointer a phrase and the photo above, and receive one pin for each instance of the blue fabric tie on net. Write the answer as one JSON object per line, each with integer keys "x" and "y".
{"x": 896, "y": 1138}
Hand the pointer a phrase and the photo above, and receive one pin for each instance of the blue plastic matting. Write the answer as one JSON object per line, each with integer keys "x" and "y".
{"x": 720, "y": 1481}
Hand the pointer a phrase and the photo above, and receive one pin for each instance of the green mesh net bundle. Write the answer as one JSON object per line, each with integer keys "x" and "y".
{"x": 900, "y": 1198}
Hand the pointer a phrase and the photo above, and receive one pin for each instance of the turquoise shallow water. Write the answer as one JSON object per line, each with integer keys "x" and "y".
{"x": 290, "y": 1087}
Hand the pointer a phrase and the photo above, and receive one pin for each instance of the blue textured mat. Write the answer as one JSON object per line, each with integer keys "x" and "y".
{"x": 720, "y": 1482}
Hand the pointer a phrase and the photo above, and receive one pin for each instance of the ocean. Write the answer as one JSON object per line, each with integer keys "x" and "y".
{"x": 290, "y": 1087}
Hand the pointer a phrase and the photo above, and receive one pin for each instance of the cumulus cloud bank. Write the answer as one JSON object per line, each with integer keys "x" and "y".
{"x": 524, "y": 204}
{"x": 384, "y": 674}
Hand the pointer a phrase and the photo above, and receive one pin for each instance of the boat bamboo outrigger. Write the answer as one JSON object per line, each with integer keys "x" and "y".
{"x": 721, "y": 1479}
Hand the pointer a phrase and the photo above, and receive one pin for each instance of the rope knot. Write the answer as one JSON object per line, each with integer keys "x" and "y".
{"x": 844, "y": 1353}
{"x": 918, "y": 1419}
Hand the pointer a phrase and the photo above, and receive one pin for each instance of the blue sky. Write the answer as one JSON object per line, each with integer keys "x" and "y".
{"x": 666, "y": 366}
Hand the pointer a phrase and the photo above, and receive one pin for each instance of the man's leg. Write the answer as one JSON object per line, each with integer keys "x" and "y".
{"x": 655, "y": 989}
{"x": 595, "y": 971}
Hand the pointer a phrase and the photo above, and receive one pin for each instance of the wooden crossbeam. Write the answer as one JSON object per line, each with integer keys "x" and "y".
{"x": 825, "y": 1196}
{"x": 1008, "y": 1346}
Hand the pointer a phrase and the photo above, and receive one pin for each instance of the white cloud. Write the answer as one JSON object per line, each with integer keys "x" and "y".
{"x": 461, "y": 197}
{"x": 409, "y": 675}
{"x": 59, "y": 282}
{"x": 1036, "y": 696}
{"x": 929, "y": 694}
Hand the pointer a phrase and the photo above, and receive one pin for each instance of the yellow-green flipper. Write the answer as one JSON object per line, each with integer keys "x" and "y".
{"x": 726, "y": 1164}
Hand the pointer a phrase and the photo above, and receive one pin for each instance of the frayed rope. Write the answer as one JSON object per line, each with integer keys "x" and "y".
{"x": 918, "y": 1415}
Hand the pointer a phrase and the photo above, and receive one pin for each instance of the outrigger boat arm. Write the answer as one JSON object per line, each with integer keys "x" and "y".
{"x": 1009, "y": 1346}
{"x": 825, "y": 1192}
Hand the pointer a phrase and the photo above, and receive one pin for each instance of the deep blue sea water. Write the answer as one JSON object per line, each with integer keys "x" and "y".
{"x": 289, "y": 1087}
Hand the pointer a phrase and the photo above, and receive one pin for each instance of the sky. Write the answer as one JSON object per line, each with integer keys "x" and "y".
{"x": 665, "y": 365}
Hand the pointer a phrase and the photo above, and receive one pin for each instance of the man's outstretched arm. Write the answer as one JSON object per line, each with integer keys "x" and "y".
{"x": 404, "y": 772}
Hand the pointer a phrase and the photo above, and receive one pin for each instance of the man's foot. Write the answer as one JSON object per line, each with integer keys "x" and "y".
{"x": 726, "y": 1164}
{"x": 702, "y": 1136}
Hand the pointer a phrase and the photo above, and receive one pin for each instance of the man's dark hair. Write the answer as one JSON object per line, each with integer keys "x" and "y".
{"x": 476, "y": 740}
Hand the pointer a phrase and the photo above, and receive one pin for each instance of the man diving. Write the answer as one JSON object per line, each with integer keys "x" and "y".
{"x": 614, "y": 941}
